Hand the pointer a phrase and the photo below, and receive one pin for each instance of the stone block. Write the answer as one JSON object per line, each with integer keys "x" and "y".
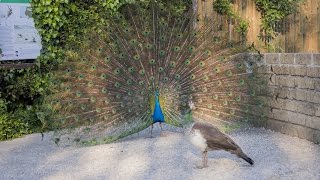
{"x": 291, "y": 129}
{"x": 272, "y": 80}
{"x": 285, "y": 92}
{"x": 313, "y": 122}
{"x": 316, "y": 59}
{"x": 305, "y": 133}
{"x": 282, "y": 69}
{"x": 304, "y": 108}
{"x": 272, "y": 58}
{"x": 279, "y": 114}
{"x": 297, "y": 118}
{"x": 275, "y": 125}
{"x": 304, "y": 82}
{"x": 316, "y": 137}
{"x": 264, "y": 69}
{"x": 300, "y": 94}
{"x": 313, "y": 72}
{"x": 275, "y": 103}
{"x": 303, "y": 59}
{"x": 294, "y": 130}
{"x": 313, "y": 96}
{"x": 291, "y": 94}
{"x": 282, "y": 92}
{"x": 317, "y": 109}
{"x": 290, "y": 105}
{"x": 287, "y": 58}
{"x": 286, "y": 81}
{"x": 317, "y": 84}
{"x": 298, "y": 70}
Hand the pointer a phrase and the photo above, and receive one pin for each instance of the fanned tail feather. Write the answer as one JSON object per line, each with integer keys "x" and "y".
{"x": 106, "y": 88}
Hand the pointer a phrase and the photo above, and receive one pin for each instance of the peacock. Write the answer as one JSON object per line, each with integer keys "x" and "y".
{"x": 144, "y": 67}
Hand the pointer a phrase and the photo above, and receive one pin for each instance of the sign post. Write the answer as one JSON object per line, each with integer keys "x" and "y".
{"x": 19, "y": 39}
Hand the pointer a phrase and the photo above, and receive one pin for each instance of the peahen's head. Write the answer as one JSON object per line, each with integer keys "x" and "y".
{"x": 188, "y": 119}
{"x": 191, "y": 105}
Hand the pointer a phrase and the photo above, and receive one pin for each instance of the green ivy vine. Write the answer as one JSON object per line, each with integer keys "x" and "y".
{"x": 272, "y": 11}
{"x": 224, "y": 7}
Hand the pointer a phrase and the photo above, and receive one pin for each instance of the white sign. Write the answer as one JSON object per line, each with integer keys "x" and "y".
{"x": 18, "y": 37}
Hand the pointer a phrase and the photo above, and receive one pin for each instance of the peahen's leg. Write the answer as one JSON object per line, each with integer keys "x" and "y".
{"x": 204, "y": 160}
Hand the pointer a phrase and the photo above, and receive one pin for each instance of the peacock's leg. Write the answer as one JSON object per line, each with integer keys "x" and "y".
{"x": 160, "y": 126}
{"x": 151, "y": 130}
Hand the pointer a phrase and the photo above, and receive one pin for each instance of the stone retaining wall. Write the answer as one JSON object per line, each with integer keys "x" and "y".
{"x": 294, "y": 82}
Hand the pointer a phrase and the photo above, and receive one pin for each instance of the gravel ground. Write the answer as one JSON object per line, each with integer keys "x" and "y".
{"x": 167, "y": 156}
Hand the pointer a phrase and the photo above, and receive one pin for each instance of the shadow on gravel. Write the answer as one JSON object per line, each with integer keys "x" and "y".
{"x": 166, "y": 156}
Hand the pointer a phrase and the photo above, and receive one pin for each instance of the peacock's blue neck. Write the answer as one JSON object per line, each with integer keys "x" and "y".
{"x": 157, "y": 113}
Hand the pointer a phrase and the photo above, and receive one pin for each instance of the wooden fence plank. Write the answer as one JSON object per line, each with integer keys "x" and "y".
{"x": 299, "y": 32}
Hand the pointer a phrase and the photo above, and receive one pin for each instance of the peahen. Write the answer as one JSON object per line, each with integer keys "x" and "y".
{"x": 206, "y": 137}
{"x": 144, "y": 67}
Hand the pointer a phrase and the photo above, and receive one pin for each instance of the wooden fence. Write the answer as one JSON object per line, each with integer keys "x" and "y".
{"x": 299, "y": 32}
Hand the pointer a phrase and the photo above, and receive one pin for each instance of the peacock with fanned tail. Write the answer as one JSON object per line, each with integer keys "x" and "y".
{"x": 145, "y": 67}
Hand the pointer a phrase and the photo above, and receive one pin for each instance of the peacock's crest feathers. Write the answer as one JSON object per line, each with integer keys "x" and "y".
{"x": 106, "y": 88}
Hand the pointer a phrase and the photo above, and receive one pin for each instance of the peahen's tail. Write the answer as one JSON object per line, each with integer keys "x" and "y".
{"x": 245, "y": 157}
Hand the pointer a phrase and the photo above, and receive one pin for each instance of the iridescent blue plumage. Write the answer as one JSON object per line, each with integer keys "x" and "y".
{"x": 157, "y": 113}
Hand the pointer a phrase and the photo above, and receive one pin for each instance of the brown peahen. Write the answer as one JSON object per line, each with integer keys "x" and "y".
{"x": 206, "y": 137}
{"x": 144, "y": 67}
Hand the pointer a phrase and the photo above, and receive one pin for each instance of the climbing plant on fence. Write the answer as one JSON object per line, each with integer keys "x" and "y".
{"x": 272, "y": 11}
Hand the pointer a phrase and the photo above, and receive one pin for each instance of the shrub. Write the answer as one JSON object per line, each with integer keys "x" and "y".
{"x": 12, "y": 128}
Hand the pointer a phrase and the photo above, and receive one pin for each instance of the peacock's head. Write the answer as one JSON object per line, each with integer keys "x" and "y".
{"x": 156, "y": 94}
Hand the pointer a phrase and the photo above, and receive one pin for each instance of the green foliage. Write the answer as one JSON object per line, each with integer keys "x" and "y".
{"x": 21, "y": 90}
{"x": 242, "y": 28}
{"x": 62, "y": 22}
{"x": 3, "y": 106}
{"x": 273, "y": 11}
{"x": 12, "y": 128}
{"x": 224, "y": 7}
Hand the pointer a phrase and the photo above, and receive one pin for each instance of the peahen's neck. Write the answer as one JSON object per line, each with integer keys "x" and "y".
{"x": 187, "y": 127}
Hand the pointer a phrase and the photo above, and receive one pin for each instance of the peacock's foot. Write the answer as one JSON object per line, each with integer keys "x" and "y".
{"x": 202, "y": 167}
